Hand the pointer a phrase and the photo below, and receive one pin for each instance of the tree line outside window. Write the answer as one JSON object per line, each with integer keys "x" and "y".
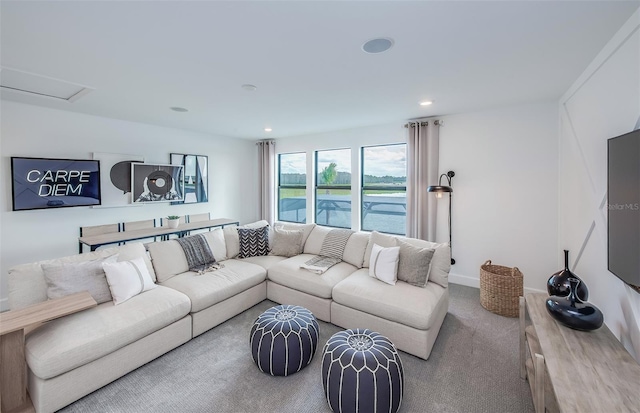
{"x": 383, "y": 190}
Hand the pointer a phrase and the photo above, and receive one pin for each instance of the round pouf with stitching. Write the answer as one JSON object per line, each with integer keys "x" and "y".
{"x": 362, "y": 372}
{"x": 284, "y": 339}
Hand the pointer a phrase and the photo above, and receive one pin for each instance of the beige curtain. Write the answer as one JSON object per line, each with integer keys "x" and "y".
{"x": 422, "y": 171}
{"x": 267, "y": 171}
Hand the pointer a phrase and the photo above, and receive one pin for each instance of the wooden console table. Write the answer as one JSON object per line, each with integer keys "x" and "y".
{"x": 96, "y": 241}
{"x": 574, "y": 371}
{"x": 13, "y": 368}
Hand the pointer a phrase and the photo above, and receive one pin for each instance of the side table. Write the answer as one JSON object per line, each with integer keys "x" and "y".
{"x": 13, "y": 368}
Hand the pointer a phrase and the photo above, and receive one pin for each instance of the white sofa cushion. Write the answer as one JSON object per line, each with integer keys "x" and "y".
{"x": 289, "y": 274}
{"x": 213, "y": 287}
{"x": 315, "y": 240}
{"x": 63, "y": 344}
{"x": 402, "y": 303}
{"x": 355, "y": 249}
{"x": 265, "y": 261}
{"x": 168, "y": 257}
{"x": 353, "y": 252}
{"x": 27, "y": 284}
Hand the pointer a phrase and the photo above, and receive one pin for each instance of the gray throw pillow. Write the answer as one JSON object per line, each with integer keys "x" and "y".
{"x": 287, "y": 243}
{"x": 70, "y": 278}
{"x": 414, "y": 264}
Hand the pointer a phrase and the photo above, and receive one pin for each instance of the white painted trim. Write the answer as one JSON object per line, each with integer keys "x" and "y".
{"x": 475, "y": 282}
{"x": 4, "y": 304}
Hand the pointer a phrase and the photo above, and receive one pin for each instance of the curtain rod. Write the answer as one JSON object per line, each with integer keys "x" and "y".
{"x": 413, "y": 124}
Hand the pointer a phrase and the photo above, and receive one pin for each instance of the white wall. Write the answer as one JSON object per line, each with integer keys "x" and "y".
{"x": 505, "y": 189}
{"x": 40, "y": 132}
{"x": 604, "y": 102}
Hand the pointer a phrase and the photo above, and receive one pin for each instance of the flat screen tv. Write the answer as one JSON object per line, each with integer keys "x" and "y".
{"x": 40, "y": 183}
{"x": 623, "y": 207}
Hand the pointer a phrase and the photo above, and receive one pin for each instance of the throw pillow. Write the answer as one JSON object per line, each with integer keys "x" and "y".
{"x": 127, "y": 279}
{"x": 383, "y": 240}
{"x": 70, "y": 278}
{"x": 253, "y": 242}
{"x": 287, "y": 243}
{"x": 334, "y": 243}
{"x": 414, "y": 264}
{"x": 383, "y": 263}
{"x": 216, "y": 241}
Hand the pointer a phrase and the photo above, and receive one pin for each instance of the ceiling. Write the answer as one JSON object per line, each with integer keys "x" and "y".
{"x": 305, "y": 57}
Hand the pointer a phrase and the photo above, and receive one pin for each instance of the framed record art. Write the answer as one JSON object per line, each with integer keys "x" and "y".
{"x": 115, "y": 178}
{"x": 196, "y": 177}
{"x": 157, "y": 183}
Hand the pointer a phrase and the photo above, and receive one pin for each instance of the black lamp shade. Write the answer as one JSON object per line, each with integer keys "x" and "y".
{"x": 439, "y": 188}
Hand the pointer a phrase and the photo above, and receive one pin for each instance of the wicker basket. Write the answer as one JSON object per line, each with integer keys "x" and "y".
{"x": 500, "y": 288}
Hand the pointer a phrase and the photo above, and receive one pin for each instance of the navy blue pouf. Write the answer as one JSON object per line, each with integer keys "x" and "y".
{"x": 284, "y": 339}
{"x": 362, "y": 372}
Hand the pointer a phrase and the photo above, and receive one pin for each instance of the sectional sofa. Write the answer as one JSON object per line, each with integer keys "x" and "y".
{"x": 70, "y": 357}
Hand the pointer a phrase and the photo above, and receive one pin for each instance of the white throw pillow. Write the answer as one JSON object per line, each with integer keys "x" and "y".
{"x": 383, "y": 263}
{"x": 127, "y": 279}
{"x": 216, "y": 242}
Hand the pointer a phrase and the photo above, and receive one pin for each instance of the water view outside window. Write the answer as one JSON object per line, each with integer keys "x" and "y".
{"x": 333, "y": 188}
{"x": 292, "y": 189}
{"x": 384, "y": 188}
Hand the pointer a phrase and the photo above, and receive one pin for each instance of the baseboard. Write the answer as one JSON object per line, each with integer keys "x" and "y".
{"x": 475, "y": 283}
{"x": 4, "y": 304}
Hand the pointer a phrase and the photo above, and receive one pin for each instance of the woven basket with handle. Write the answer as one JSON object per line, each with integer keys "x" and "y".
{"x": 500, "y": 288}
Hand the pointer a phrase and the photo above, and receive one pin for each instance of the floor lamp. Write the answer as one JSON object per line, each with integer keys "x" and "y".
{"x": 439, "y": 190}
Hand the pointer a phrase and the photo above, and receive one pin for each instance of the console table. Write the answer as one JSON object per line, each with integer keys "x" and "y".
{"x": 13, "y": 368}
{"x": 96, "y": 241}
{"x": 574, "y": 371}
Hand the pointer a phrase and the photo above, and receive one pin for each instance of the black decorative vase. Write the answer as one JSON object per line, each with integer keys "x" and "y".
{"x": 573, "y": 312}
{"x": 558, "y": 283}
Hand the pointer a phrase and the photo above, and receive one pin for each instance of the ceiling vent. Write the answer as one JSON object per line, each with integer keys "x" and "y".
{"x": 32, "y": 84}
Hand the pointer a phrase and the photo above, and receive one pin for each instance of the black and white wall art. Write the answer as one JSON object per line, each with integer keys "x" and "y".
{"x": 115, "y": 177}
{"x": 157, "y": 183}
{"x": 44, "y": 183}
{"x": 196, "y": 177}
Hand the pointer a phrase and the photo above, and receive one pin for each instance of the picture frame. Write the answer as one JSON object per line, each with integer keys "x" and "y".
{"x": 151, "y": 183}
{"x": 115, "y": 178}
{"x": 48, "y": 183}
{"x": 196, "y": 177}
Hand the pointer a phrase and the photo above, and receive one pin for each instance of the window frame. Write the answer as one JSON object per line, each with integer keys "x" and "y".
{"x": 364, "y": 187}
{"x": 280, "y": 186}
{"x": 317, "y": 186}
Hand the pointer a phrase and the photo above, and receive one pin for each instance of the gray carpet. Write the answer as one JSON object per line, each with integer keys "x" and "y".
{"x": 473, "y": 368}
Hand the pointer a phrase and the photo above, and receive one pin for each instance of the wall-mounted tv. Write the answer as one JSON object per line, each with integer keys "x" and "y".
{"x": 41, "y": 183}
{"x": 623, "y": 207}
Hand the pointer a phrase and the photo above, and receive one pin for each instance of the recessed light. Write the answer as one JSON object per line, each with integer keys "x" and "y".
{"x": 379, "y": 45}
{"x": 178, "y": 109}
{"x": 268, "y": 129}
{"x": 248, "y": 87}
{"x": 426, "y": 103}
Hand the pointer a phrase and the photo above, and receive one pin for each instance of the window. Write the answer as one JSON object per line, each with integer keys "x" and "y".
{"x": 384, "y": 188}
{"x": 333, "y": 188}
{"x": 292, "y": 187}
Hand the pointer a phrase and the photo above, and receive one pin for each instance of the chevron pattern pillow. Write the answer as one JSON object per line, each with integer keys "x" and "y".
{"x": 253, "y": 241}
